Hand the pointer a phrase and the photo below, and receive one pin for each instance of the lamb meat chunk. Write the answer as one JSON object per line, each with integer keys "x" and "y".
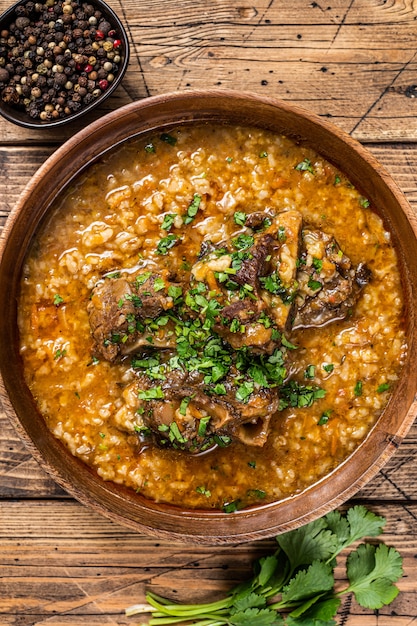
{"x": 109, "y": 311}
{"x": 154, "y": 300}
{"x": 259, "y": 220}
{"x": 187, "y": 417}
{"x": 254, "y": 264}
{"x": 252, "y": 280}
{"x": 329, "y": 284}
{"x": 280, "y": 283}
{"x": 120, "y": 309}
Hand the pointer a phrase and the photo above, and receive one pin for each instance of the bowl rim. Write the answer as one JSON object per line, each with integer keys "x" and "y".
{"x": 20, "y": 117}
{"x": 380, "y": 443}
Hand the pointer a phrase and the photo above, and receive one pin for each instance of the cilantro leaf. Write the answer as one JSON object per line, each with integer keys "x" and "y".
{"x": 260, "y": 617}
{"x": 364, "y": 523}
{"x": 309, "y": 621}
{"x": 316, "y": 611}
{"x": 248, "y": 601}
{"x": 267, "y": 567}
{"x": 372, "y": 572}
{"x": 338, "y": 524}
{"x": 317, "y": 578}
{"x": 307, "y": 544}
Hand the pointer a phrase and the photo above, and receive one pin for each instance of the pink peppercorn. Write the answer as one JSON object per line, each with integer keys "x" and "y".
{"x": 103, "y": 84}
{"x": 117, "y": 43}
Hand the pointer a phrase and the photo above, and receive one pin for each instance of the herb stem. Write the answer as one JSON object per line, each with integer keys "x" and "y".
{"x": 162, "y": 605}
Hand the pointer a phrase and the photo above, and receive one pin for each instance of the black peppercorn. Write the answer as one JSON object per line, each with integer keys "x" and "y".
{"x": 4, "y": 75}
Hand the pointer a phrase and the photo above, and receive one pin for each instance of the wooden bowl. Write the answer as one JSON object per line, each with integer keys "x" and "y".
{"x": 118, "y": 503}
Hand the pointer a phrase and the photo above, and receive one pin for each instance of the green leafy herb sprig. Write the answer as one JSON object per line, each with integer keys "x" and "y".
{"x": 295, "y": 586}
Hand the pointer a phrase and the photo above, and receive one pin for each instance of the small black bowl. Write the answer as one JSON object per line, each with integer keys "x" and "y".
{"x": 17, "y": 112}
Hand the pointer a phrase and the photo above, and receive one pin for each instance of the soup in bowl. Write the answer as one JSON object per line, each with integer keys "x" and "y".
{"x": 212, "y": 316}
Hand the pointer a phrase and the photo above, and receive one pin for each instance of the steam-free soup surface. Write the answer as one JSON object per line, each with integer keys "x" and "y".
{"x": 179, "y": 209}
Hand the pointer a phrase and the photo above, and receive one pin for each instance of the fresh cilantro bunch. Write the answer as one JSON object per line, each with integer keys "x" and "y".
{"x": 295, "y": 585}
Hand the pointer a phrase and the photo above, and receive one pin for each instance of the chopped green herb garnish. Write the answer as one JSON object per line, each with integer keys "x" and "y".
{"x": 158, "y": 284}
{"x": 202, "y": 426}
{"x": 184, "y": 404}
{"x": 263, "y": 154}
{"x": 282, "y": 237}
{"x": 222, "y": 440}
{"x": 324, "y": 417}
{"x": 58, "y": 300}
{"x": 328, "y": 367}
{"x": 175, "y": 434}
{"x": 383, "y": 387}
{"x": 244, "y": 391}
{"x": 149, "y": 147}
{"x": 231, "y": 507}
{"x": 358, "y": 388}
{"x": 364, "y": 202}
{"x": 273, "y": 284}
{"x": 166, "y": 243}
{"x": 219, "y": 389}
{"x": 305, "y": 166}
{"x": 174, "y": 292}
{"x": 287, "y": 343}
{"x": 295, "y": 395}
{"x": 239, "y": 218}
{"x": 168, "y": 222}
{"x": 310, "y": 371}
{"x": 259, "y": 494}
{"x": 155, "y": 393}
{"x": 142, "y": 278}
{"x": 317, "y": 264}
{"x": 192, "y": 209}
{"x": 203, "y": 490}
{"x": 243, "y": 242}
{"x": 314, "y": 285}
{"x": 167, "y": 138}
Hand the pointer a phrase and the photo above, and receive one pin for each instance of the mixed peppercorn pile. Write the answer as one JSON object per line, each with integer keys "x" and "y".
{"x": 57, "y": 57}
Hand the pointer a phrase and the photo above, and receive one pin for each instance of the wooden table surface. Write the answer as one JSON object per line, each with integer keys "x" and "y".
{"x": 353, "y": 62}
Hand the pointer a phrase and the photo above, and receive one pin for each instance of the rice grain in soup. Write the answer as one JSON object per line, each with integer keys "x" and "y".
{"x": 201, "y": 247}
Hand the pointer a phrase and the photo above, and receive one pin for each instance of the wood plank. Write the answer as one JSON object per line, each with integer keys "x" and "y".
{"x": 78, "y": 568}
{"x": 337, "y": 61}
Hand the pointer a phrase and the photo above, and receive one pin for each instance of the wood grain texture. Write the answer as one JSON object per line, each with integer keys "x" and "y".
{"x": 353, "y": 62}
{"x": 61, "y": 564}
